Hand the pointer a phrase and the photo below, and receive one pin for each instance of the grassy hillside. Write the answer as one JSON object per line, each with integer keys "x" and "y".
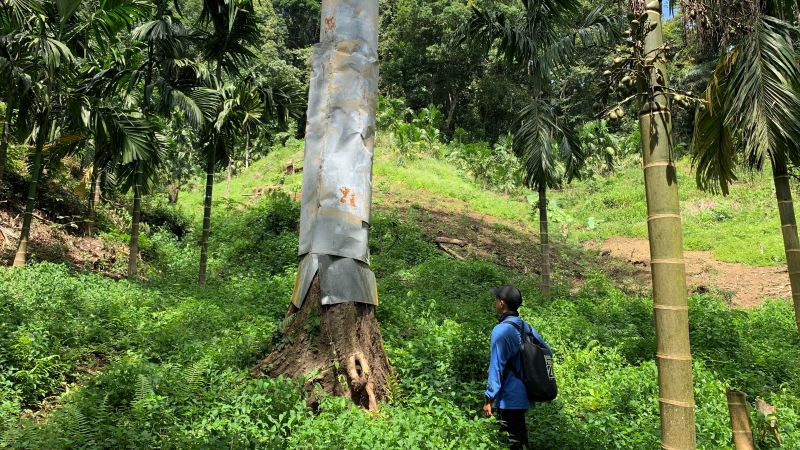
{"x": 86, "y": 362}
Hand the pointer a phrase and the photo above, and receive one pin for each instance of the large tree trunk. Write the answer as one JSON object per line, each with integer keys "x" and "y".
{"x": 740, "y": 420}
{"x": 789, "y": 230}
{"x": 341, "y": 344}
{"x": 544, "y": 239}
{"x": 133, "y": 254}
{"x": 33, "y": 188}
{"x": 6, "y": 138}
{"x": 206, "y": 218}
{"x": 674, "y": 358}
{"x": 334, "y": 333}
{"x": 94, "y": 199}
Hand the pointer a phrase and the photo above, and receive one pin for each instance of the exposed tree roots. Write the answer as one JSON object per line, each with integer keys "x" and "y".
{"x": 339, "y": 347}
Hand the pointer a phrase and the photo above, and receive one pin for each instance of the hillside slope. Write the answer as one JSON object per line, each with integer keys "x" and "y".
{"x": 93, "y": 363}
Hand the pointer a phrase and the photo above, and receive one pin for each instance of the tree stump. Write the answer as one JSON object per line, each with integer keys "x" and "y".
{"x": 339, "y": 346}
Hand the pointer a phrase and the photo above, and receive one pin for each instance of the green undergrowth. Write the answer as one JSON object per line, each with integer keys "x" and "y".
{"x": 86, "y": 362}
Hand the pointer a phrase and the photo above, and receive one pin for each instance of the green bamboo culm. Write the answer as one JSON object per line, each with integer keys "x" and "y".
{"x": 676, "y": 393}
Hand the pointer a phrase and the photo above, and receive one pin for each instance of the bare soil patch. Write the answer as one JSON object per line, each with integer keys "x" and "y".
{"x": 747, "y": 285}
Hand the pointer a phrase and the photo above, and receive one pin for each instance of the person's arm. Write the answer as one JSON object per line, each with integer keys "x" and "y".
{"x": 538, "y": 338}
{"x": 497, "y": 363}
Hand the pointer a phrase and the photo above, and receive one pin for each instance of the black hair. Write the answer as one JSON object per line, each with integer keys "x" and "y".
{"x": 512, "y": 306}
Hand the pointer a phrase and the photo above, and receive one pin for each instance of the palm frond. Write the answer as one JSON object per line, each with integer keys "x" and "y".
{"x": 763, "y": 102}
{"x": 713, "y": 147}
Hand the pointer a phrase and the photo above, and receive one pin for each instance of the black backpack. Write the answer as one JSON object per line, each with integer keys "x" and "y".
{"x": 537, "y": 368}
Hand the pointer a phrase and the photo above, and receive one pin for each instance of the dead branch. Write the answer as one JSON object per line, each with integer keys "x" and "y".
{"x": 450, "y": 252}
{"x": 447, "y": 240}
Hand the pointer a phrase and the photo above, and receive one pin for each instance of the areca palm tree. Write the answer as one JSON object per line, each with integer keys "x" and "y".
{"x": 536, "y": 41}
{"x": 234, "y": 103}
{"x": 43, "y": 42}
{"x": 751, "y": 114}
{"x": 671, "y": 311}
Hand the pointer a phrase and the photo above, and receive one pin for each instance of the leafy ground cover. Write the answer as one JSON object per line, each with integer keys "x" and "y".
{"x": 92, "y": 363}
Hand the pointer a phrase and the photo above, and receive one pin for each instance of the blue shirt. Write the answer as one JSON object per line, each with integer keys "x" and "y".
{"x": 503, "y": 386}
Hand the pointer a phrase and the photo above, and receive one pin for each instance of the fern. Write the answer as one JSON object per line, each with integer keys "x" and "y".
{"x": 76, "y": 423}
{"x": 194, "y": 377}
{"x": 143, "y": 390}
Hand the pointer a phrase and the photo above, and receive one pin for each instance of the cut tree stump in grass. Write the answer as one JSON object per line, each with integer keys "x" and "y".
{"x": 339, "y": 346}
{"x": 740, "y": 420}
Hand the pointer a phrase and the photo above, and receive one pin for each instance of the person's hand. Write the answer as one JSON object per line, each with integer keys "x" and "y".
{"x": 487, "y": 408}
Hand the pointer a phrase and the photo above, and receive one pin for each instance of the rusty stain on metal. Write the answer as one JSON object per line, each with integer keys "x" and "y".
{"x": 340, "y": 139}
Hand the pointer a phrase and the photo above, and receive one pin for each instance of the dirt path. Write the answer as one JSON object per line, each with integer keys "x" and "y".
{"x": 748, "y": 285}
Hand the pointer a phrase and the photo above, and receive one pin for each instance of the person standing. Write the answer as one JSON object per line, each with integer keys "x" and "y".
{"x": 505, "y": 390}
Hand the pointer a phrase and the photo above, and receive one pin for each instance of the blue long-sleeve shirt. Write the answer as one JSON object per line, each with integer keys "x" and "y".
{"x": 503, "y": 386}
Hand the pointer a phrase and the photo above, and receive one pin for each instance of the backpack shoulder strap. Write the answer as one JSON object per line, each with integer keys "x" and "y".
{"x": 510, "y": 366}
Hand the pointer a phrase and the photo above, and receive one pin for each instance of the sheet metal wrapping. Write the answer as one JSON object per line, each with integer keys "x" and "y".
{"x": 340, "y": 138}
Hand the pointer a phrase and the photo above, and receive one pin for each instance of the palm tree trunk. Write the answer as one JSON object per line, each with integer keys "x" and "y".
{"x": 789, "y": 229}
{"x": 228, "y": 176}
{"x": 6, "y": 138}
{"x": 206, "y": 218}
{"x": 94, "y": 197}
{"x": 544, "y": 239}
{"x": 676, "y": 393}
{"x": 247, "y": 151}
{"x": 133, "y": 254}
{"x": 36, "y": 173}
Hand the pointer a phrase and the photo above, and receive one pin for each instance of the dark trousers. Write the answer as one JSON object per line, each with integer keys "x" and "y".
{"x": 512, "y": 421}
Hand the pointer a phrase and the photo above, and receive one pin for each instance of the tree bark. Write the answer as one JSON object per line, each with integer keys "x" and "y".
{"x": 544, "y": 239}
{"x": 36, "y": 173}
{"x": 740, "y": 420}
{"x": 172, "y": 194}
{"x": 791, "y": 244}
{"x": 206, "y": 218}
{"x": 452, "y": 112}
{"x": 133, "y": 254}
{"x": 676, "y": 393}
{"x": 340, "y": 344}
{"x": 94, "y": 199}
{"x": 6, "y": 139}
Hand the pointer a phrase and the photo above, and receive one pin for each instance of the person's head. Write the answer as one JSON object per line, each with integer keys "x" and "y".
{"x": 507, "y": 298}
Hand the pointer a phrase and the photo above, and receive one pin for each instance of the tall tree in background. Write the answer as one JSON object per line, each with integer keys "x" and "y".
{"x": 335, "y": 289}
{"x": 751, "y": 112}
{"x": 547, "y": 146}
{"x": 674, "y": 359}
